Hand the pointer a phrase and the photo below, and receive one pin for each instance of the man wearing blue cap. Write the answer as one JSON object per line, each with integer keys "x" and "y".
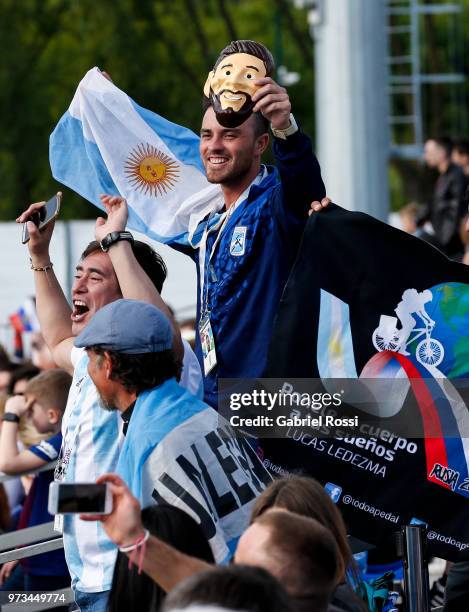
{"x": 177, "y": 449}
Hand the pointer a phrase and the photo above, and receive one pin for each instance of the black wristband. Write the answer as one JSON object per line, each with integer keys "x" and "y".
{"x": 11, "y": 417}
{"x": 114, "y": 237}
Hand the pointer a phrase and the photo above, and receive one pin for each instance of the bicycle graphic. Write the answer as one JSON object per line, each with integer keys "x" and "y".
{"x": 387, "y": 336}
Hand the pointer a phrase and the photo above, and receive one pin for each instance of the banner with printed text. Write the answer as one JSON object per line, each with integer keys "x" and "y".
{"x": 367, "y": 302}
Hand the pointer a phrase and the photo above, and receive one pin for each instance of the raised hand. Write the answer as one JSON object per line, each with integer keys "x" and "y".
{"x": 117, "y": 215}
{"x": 273, "y": 102}
{"x": 39, "y": 240}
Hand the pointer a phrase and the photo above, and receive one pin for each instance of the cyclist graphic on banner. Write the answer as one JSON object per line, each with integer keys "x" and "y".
{"x": 412, "y": 302}
{"x": 387, "y": 337}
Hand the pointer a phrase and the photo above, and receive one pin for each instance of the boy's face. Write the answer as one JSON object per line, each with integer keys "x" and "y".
{"x": 39, "y": 415}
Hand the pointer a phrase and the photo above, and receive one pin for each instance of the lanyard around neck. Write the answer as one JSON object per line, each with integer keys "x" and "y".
{"x": 220, "y": 226}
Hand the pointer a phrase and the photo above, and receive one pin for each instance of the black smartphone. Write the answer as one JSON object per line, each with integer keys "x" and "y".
{"x": 43, "y": 215}
{"x": 81, "y": 497}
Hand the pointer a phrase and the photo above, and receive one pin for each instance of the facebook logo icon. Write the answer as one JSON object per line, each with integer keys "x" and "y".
{"x": 334, "y": 491}
{"x": 416, "y": 521}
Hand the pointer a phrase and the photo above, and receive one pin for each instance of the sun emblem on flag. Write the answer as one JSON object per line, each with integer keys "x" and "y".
{"x": 151, "y": 171}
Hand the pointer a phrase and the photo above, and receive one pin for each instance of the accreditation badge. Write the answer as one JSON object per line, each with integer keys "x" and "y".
{"x": 207, "y": 342}
{"x": 59, "y": 523}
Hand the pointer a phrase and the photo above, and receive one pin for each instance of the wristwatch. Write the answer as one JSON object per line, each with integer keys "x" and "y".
{"x": 11, "y": 416}
{"x": 291, "y": 129}
{"x": 114, "y": 237}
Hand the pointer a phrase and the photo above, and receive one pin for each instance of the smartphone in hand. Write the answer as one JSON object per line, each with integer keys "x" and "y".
{"x": 43, "y": 215}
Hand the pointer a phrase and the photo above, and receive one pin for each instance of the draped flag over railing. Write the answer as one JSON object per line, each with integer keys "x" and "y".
{"x": 366, "y": 302}
{"x": 106, "y": 143}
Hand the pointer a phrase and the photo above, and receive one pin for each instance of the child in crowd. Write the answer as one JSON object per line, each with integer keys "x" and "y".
{"x": 44, "y": 399}
{"x": 27, "y": 434}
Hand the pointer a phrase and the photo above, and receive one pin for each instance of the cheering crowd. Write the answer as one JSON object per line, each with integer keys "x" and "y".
{"x": 124, "y": 400}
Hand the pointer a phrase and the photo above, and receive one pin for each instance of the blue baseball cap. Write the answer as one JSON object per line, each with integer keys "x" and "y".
{"x": 128, "y": 326}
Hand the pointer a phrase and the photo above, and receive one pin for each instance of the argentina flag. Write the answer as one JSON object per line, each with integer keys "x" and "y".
{"x": 106, "y": 143}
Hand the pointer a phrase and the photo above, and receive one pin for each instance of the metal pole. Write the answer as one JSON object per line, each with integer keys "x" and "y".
{"x": 352, "y": 103}
{"x": 416, "y": 581}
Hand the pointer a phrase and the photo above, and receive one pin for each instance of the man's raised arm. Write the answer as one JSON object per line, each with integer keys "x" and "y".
{"x": 133, "y": 281}
{"x": 53, "y": 310}
{"x": 299, "y": 169}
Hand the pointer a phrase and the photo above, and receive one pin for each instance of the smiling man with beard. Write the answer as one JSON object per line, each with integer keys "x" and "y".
{"x": 246, "y": 250}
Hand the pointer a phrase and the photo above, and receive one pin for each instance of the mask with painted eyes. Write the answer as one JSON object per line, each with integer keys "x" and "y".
{"x": 231, "y": 84}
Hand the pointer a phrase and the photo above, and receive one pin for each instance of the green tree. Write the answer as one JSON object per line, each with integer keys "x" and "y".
{"x": 158, "y": 51}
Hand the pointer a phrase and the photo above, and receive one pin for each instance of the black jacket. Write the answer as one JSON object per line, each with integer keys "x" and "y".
{"x": 447, "y": 208}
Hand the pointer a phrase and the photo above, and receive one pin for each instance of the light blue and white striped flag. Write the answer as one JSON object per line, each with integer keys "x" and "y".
{"x": 106, "y": 143}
